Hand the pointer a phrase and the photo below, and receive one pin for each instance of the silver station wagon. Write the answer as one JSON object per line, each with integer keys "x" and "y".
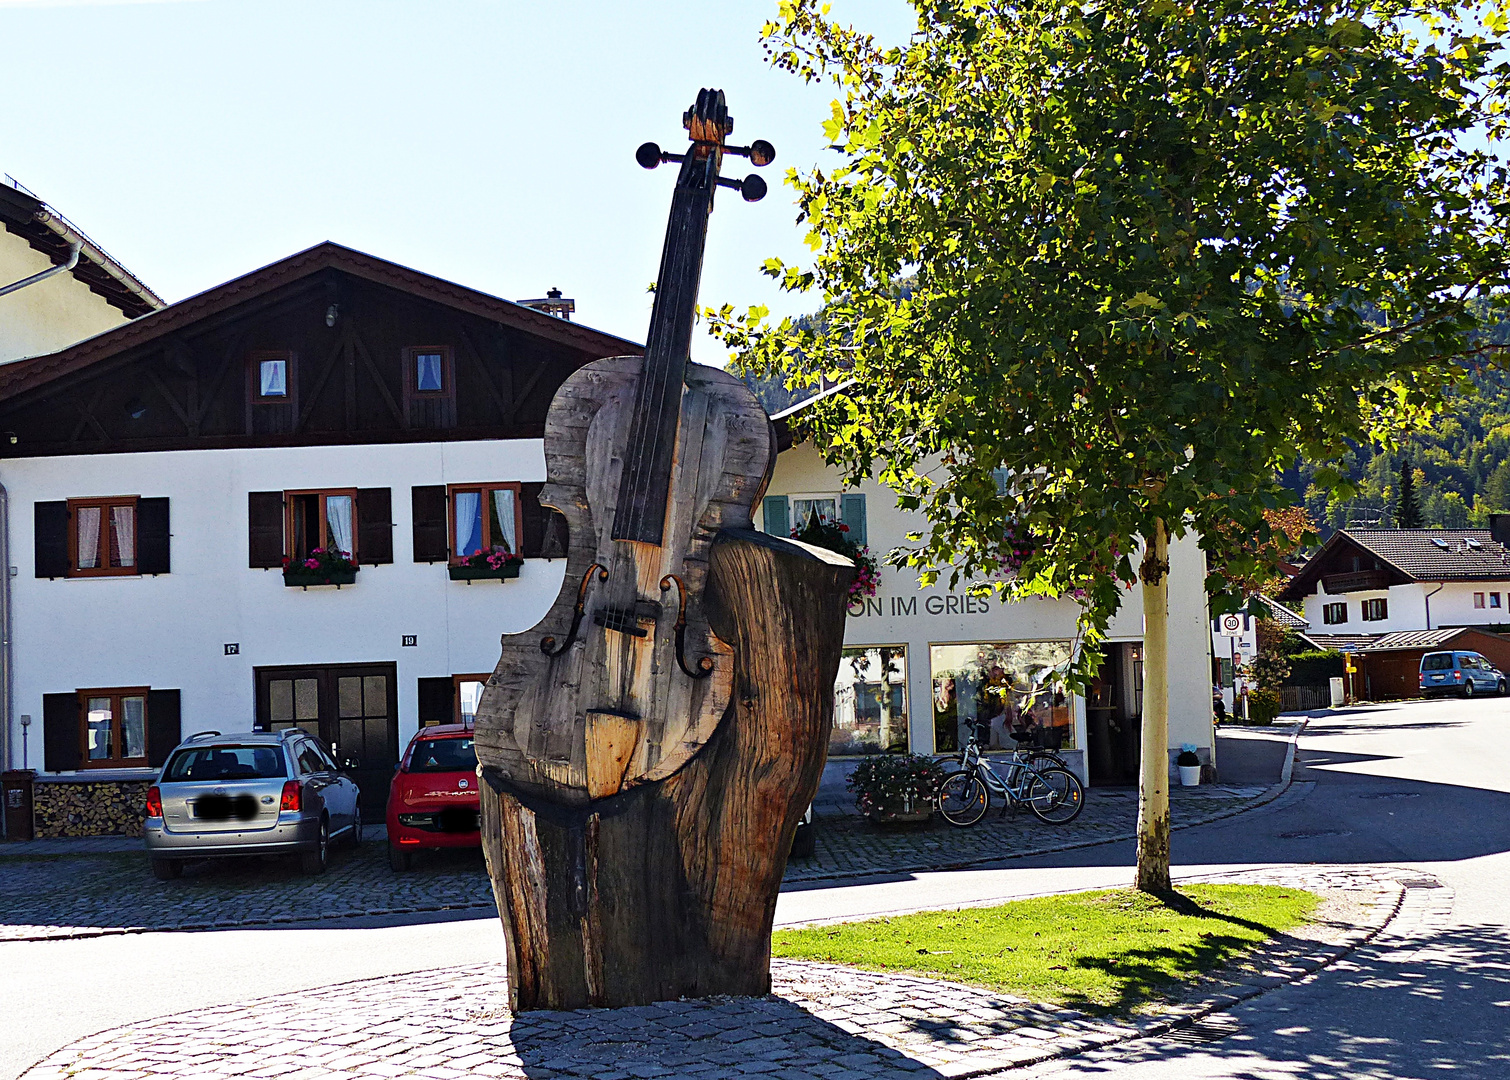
{"x": 252, "y": 793}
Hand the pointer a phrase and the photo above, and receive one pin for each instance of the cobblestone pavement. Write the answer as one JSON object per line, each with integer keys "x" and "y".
{"x": 52, "y": 894}
{"x": 59, "y": 894}
{"x": 821, "y": 1020}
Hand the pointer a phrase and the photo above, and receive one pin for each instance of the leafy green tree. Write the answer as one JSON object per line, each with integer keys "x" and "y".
{"x": 1158, "y": 252}
{"x": 1407, "y": 506}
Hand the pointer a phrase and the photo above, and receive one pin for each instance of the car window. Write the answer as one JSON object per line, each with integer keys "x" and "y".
{"x": 330, "y": 763}
{"x": 309, "y": 760}
{"x": 443, "y": 755}
{"x": 225, "y": 763}
{"x": 1470, "y": 661}
{"x": 1439, "y": 661}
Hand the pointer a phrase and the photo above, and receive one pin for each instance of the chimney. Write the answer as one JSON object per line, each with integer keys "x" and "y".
{"x": 1499, "y": 528}
{"x": 553, "y": 304}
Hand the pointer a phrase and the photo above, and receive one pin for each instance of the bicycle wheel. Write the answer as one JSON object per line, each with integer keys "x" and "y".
{"x": 1045, "y": 759}
{"x": 1054, "y": 795}
{"x": 963, "y": 799}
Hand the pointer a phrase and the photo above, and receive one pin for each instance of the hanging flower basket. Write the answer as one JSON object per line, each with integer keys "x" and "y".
{"x": 486, "y": 566}
{"x": 325, "y": 566}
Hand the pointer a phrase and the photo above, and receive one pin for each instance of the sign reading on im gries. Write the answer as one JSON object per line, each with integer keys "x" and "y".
{"x": 898, "y": 606}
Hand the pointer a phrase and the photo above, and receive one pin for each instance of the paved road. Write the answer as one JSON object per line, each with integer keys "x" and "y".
{"x": 1424, "y": 785}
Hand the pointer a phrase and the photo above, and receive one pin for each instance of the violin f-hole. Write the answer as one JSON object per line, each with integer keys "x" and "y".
{"x": 705, "y": 665}
{"x": 548, "y": 644}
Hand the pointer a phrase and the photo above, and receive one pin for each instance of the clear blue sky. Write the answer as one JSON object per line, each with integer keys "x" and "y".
{"x": 490, "y": 143}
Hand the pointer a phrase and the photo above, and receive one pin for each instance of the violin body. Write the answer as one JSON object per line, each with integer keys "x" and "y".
{"x": 615, "y": 709}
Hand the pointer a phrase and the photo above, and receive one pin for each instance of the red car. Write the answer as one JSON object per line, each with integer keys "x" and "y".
{"x": 433, "y": 800}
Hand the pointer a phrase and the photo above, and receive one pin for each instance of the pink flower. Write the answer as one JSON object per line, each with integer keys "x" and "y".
{"x": 312, "y": 564}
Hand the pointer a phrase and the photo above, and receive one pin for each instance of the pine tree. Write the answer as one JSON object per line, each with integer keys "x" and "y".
{"x": 1407, "y": 505}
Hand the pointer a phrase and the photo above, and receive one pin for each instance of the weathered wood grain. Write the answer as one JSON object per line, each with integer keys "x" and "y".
{"x": 667, "y": 889}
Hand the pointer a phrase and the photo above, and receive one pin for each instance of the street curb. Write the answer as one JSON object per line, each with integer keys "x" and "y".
{"x": 1190, "y": 1014}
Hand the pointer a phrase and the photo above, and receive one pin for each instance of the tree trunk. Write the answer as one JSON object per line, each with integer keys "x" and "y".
{"x": 1153, "y": 781}
{"x": 667, "y": 889}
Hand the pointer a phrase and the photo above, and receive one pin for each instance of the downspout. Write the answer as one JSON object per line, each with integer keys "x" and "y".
{"x": 74, "y": 247}
{"x": 1428, "y": 603}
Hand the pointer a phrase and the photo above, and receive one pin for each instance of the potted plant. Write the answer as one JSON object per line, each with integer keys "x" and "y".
{"x": 482, "y": 565}
{"x": 1189, "y": 765}
{"x": 896, "y": 788}
{"x": 323, "y": 566}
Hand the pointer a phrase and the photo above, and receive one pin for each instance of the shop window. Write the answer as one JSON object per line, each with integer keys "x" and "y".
{"x": 1478, "y": 600}
{"x": 320, "y": 519}
{"x": 1332, "y": 614}
{"x": 484, "y": 517}
{"x": 870, "y": 701}
{"x": 998, "y": 689}
{"x": 113, "y": 727}
{"x": 1375, "y": 610}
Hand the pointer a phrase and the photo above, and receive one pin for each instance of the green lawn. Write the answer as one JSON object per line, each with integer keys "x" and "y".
{"x": 1107, "y": 951}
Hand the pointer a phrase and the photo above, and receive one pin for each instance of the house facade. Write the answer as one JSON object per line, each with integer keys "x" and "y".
{"x": 1386, "y": 597}
{"x": 921, "y": 666}
{"x": 170, "y": 478}
{"x": 96, "y": 294}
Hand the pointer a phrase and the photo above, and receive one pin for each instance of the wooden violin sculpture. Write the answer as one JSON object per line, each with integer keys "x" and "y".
{"x": 649, "y": 746}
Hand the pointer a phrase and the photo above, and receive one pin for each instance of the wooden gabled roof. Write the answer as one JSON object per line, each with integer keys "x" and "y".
{"x": 24, "y": 376}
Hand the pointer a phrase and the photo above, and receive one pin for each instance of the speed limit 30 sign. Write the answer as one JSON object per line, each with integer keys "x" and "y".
{"x": 1230, "y": 625}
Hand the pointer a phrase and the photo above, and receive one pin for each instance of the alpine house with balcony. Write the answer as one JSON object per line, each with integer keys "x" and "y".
{"x": 307, "y": 497}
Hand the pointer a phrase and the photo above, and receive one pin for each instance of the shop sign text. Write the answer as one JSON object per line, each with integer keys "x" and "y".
{"x": 899, "y": 606}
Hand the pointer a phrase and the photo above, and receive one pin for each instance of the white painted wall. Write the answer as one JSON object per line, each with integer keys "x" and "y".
{"x": 170, "y": 631}
{"x": 903, "y": 614}
{"x": 1451, "y": 605}
{"x": 49, "y": 315}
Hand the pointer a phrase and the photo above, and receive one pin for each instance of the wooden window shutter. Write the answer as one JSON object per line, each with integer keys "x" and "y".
{"x": 374, "y": 525}
{"x": 545, "y": 531}
{"x": 152, "y": 545}
{"x": 60, "y": 732}
{"x": 164, "y": 726}
{"x": 430, "y": 536}
{"x": 435, "y": 701}
{"x": 778, "y": 517}
{"x": 51, "y": 546}
{"x": 852, "y": 514}
{"x": 264, "y": 540}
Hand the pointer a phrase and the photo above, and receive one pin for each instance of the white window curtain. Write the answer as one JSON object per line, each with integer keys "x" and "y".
{"x": 338, "y": 521}
{"x": 123, "y": 528}
{"x": 274, "y": 378}
{"x": 89, "y": 537}
{"x": 133, "y": 727}
{"x": 427, "y": 373}
{"x": 503, "y": 520}
{"x": 468, "y": 509}
{"x": 804, "y": 509}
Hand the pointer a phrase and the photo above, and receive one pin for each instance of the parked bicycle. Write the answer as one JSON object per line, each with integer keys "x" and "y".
{"x": 1051, "y": 792}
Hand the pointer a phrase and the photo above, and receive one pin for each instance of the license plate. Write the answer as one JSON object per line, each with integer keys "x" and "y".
{"x": 223, "y": 807}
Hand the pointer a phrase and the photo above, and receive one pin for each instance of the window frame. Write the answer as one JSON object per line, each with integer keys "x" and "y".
{"x": 517, "y": 487}
{"x": 104, "y": 503}
{"x": 837, "y": 497}
{"x": 323, "y": 493}
{"x": 1327, "y": 609}
{"x": 412, "y": 353}
{"x": 1378, "y": 604}
{"x": 456, "y": 681}
{"x": 1494, "y": 600}
{"x": 254, "y": 376}
{"x": 115, "y": 694}
{"x": 1479, "y": 601}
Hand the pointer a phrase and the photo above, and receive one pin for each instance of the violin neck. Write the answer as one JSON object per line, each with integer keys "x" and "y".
{"x": 645, "y": 484}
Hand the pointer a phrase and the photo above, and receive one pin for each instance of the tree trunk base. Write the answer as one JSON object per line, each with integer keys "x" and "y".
{"x": 668, "y": 889}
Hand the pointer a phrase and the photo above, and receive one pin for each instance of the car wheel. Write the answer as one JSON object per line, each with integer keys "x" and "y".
{"x": 1499, "y": 688}
{"x": 1468, "y": 688}
{"x": 804, "y": 842}
{"x": 398, "y": 859}
{"x": 167, "y": 869}
{"x": 318, "y": 860}
{"x": 356, "y": 829}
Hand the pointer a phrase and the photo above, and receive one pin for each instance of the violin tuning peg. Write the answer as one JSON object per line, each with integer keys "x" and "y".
{"x": 761, "y": 153}
{"x": 752, "y": 189}
{"x": 648, "y": 155}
